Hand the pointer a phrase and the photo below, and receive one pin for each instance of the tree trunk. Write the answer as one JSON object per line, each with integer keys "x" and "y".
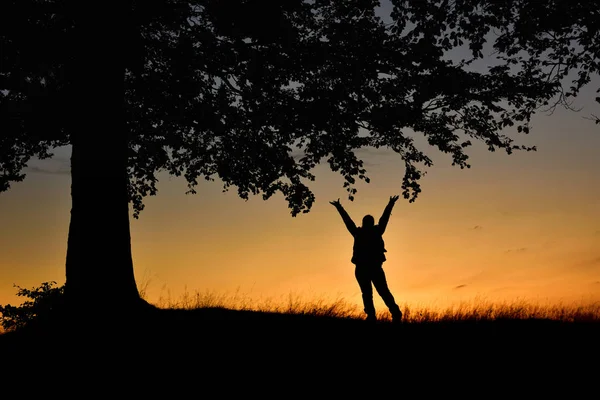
{"x": 99, "y": 266}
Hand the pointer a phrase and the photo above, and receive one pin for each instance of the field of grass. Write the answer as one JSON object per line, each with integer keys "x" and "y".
{"x": 474, "y": 310}
{"x": 477, "y": 309}
{"x": 212, "y": 345}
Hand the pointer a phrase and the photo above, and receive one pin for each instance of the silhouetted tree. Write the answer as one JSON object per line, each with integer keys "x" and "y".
{"x": 235, "y": 90}
{"x": 558, "y": 40}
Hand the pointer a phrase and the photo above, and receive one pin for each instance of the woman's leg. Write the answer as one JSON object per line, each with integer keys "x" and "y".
{"x": 363, "y": 276}
{"x": 380, "y": 283}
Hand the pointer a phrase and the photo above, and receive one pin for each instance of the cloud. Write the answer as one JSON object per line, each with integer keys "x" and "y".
{"x": 519, "y": 250}
{"x": 375, "y": 152}
{"x": 593, "y": 263}
{"x": 40, "y": 170}
{"x": 361, "y": 153}
{"x": 501, "y": 289}
{"x": 459, "y": 286}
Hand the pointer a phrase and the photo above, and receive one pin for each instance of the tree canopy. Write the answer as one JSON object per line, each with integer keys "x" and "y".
{"x": 557, "y": 40}
{"x": 236, "y": 90}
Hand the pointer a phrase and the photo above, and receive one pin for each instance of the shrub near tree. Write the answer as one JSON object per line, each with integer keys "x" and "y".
{"x": 43, "y": 300}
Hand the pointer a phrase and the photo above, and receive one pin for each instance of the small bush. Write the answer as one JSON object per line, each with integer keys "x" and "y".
{"x": 43, "y": 300}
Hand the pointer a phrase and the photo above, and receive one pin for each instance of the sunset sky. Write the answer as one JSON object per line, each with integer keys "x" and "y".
{"x": 524, "y": 226}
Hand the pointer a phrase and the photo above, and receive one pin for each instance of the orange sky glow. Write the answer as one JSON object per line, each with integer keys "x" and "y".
{"x": 524, "y": 226}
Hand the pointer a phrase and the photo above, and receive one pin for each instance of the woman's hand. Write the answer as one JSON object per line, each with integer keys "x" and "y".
{"x": 336, "y": 203}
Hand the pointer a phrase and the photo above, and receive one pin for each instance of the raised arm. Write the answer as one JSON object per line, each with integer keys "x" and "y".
{"x": 345, "y": 217}
{"x": 385, "y": 217}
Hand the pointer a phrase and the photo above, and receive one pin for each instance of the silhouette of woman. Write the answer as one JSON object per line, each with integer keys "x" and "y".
{"x": 369, "y": 255}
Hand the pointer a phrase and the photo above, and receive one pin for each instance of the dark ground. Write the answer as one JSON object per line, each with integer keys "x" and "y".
{"x": 215, "y": 353}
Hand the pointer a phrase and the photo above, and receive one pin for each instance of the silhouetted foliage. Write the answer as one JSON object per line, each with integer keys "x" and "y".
{"x": 258, "y": 93}
{"x": 43, "y": 300}
{"x": 210, "y": 93}
{"x": 558, "y": 40}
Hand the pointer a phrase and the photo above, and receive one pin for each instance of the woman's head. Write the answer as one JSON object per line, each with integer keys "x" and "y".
{"x": 368, "y": 221}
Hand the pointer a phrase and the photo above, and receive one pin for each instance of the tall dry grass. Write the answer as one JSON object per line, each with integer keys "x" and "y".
{"x": 477, "y": 309}
{"x": 290, "y": 304}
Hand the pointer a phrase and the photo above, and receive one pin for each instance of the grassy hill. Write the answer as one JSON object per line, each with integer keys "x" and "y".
{"x": 214, "y": 352}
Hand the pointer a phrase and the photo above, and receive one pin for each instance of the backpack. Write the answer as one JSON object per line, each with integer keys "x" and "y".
{"x": 368, "y": 245}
